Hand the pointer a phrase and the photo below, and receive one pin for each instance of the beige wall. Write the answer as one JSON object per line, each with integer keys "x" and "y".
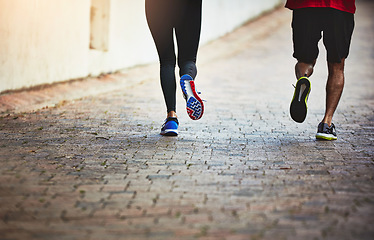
{"x": 46, "y": 41}
{"x": 130, "y": 42}
{"x": 42, "y": 41}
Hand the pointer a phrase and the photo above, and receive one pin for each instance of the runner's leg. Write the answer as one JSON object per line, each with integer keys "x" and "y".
{"x": 188, "y": 36}
{"x": 337, "y": 39}
{"x": 160, "y": 14}
{"x": 334, "y": 89}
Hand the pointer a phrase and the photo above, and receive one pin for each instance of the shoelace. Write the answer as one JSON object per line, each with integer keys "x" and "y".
{"x": 199, "y": 94}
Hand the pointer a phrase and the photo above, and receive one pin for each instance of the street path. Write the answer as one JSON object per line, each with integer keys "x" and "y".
{"x": 97, "y": 168}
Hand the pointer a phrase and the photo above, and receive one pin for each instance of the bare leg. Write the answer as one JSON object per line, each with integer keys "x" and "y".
{"x": 304, "y": 69}
{"x": 172, "y": 114}
{"x": 334, "y": 89}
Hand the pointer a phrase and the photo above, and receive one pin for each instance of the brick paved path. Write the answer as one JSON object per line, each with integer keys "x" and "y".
{"x": 97, "y": 168}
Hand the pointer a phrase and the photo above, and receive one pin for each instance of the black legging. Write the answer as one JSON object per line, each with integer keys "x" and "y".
{"x": 163, "y": 16}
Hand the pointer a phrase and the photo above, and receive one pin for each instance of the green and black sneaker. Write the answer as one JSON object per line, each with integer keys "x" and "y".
{"x": 325, "y": 132}
{"x": 299, "y": 108}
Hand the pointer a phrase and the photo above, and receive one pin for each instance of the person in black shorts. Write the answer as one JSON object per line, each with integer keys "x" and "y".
{"x": 183, "y": 17}
{"x": 337, "y": 27}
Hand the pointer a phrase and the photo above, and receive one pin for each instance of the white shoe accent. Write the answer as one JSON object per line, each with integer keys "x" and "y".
{"x": 302, "y": 89}
{"x": 326, "y": 136}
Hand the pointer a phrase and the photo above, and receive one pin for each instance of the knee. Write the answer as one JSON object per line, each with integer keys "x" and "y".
{"x": 336, "y": 68}
{"x": 186, "y": 63}
{"x": 167, "y": 63}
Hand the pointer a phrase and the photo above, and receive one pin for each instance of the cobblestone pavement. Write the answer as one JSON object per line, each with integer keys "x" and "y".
{"x": 97, "y": 168}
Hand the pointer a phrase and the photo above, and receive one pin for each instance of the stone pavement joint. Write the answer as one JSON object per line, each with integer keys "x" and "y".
{"x": 97, "y": 168}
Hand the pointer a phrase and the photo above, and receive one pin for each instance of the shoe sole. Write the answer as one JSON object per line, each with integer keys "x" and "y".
{"x": 299, "y": 107}
{"x": 194, "y": 105}
{"x": 324, "y": 136}
{"x": 169, "y": 133}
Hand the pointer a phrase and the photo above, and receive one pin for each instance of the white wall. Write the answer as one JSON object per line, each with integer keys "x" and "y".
{"x": 46, "y": 41}
{"x": 222, "y": 16}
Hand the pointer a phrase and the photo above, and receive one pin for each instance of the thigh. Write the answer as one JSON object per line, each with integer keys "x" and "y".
{"x": 188, "y": 28}
{"x": 337, "y": 34}
{"x": 306, "y": 33}
{"x": 160, "y": 23}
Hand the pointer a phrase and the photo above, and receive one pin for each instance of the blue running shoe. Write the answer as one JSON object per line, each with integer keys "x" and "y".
{"x": 195, "y": 106}
{"x": 299, "y": 108}
{"x": 170, "y": 127}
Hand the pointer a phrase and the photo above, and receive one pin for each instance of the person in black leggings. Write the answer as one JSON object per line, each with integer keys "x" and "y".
{"x": 184, "y": 17}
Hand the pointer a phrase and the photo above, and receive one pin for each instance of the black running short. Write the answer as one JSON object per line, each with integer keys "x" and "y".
{"x": 307, "y": 27}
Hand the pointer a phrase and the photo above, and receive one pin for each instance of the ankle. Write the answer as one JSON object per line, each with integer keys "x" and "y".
{"x": 172, "y": 114}
{"x": 328, "y": 121}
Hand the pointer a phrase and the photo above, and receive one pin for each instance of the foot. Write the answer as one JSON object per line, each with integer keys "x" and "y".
{"x": 298, "y": 108}
{"x": 170, "y": 127}
{"x": 325, "y": 132}
{"x": 195, "y": 106}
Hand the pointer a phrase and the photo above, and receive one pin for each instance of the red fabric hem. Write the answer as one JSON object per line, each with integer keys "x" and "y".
{"x": 343, "y": 5}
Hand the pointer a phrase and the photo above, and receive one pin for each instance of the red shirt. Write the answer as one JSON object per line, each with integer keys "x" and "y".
{"x": 343, "y": 5}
